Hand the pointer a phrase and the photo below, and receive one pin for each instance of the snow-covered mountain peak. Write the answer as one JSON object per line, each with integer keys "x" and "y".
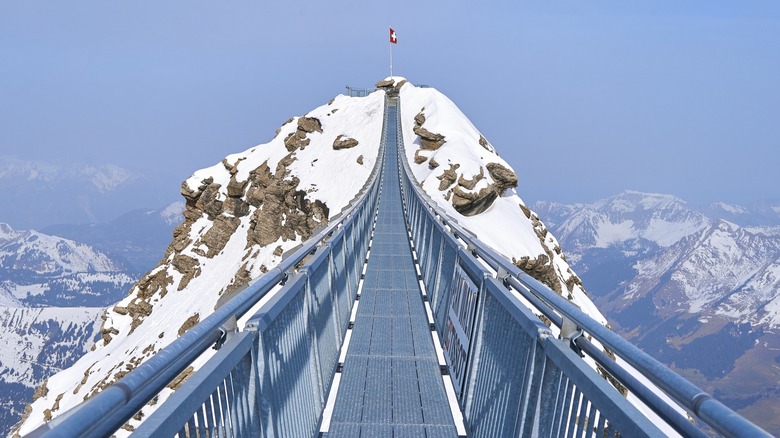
{"x": 103, "y": 178}
{"x": 173, "y": 213}
{"x": 240, "y": 216}
{"x": 243, "y": 213}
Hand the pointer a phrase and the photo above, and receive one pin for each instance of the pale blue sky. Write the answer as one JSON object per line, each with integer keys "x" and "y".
{"x": 584, "y": 99}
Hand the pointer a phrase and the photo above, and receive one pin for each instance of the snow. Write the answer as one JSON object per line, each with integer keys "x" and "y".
{"x": 503, "y": 226}
{"x": 172, "y": 214}
{"x": 331, "y": 176}
{"x": 730, "y": 208}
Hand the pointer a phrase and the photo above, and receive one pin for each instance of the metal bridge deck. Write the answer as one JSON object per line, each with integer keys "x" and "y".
{"x": 391, "y": 384}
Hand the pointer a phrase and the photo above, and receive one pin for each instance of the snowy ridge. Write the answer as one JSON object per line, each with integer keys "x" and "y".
{"x": 242, "y": 214}
{"x": 46, "y": 254}
{"x": 103, "y": 178}
{"x": 27, "y": 333}
{"x": 507, "y": 225}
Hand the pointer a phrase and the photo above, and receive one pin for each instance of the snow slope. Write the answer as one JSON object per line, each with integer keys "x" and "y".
{"x": 242, "y": 214}
{"x": 508, "y": 226}
{"x": 216, "y": 249}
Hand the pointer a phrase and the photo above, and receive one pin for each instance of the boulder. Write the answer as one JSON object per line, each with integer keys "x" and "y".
{"x": 471, "y": 203}
{"x": 504, "y": 177}
{"x": 309, "y": 125}
{"x": 428, "y": 140}
{"x": 343, "y": 142}
{"x": 296, "y": 140}
{"x": 419, "y": 159}
{"x": 385, "y": 83}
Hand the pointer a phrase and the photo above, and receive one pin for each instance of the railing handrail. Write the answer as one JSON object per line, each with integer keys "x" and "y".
{"x": 718, "y": 416}
{"x": 120, "y": 401}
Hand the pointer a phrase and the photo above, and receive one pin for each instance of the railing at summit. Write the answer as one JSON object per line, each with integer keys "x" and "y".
{"x": 512, "y": 376}
{"x": 358, "y": 92}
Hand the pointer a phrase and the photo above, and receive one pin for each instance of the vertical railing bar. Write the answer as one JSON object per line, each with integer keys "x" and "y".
{"x": 600, "y": 432}
{"x": 565, "y": 404}
{"x": 234, "y": 408}
{"x": 573, "y": 413}
{"x": 209, "y": 416}
{"x": 218, "y": 416}
{"x": 592, "y": 417}
{"x": 191, "y": 429}
{"x": 200, "y": 422}
{"x": 226, "y": 410}
{"x": 586, "y": 408}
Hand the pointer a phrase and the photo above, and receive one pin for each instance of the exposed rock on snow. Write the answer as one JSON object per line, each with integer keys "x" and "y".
{"x": 298, "y": 139}
{"x": 343, "y": 142}
{"x": 448, "y": 177}
{"x": 390, "y": 85}
{"x": 240, "y": 216}
{"x": 484, "y": 202}
{"x": 429, "y": 141}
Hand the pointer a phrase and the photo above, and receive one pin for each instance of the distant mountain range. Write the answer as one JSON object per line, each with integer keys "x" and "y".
{"x": 41, "y": 194}
{"x": 696, "y": 287}
{"x": 54, "y": 291}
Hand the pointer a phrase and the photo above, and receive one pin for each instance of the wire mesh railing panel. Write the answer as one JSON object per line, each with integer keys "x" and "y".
{"x": 341, "y": 285}
{"x": 289, "y": 391}
{"x": 324, "y": 318}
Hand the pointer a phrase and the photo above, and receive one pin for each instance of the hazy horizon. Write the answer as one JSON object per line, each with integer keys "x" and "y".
{"x": 583, "y": 100}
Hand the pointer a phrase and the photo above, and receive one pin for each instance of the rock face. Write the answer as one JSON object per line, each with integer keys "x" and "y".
{"x": 470, "y": 203}
{"x": 429, "y": 141}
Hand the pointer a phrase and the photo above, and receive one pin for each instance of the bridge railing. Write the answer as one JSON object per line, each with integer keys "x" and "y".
{"x": 253, "y": 382}
{"x": 512, "y": 376}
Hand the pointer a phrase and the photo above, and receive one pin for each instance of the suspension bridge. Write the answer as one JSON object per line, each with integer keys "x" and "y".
{"x": 395, "y": 321}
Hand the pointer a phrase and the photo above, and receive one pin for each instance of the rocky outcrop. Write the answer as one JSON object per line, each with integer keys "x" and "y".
{"x": 390, "y": 86}
{"x": 428, "y": 140}
{"x": 470, "y": 203}
{"x": 283, "y": 211}
{"x": 541, "y": 269}
{"x": 344, "y": 142}
{"x": 360, "y": 160}
{"x": 188, "y": 324}
{"x": 485, "y": 144}
{"x": 469, "y": 184}
{"x": 298, "y": 139}
{"x": 504, "y": 178}
{"x": 419, "y": 159}
{"x": 448, "y": 178}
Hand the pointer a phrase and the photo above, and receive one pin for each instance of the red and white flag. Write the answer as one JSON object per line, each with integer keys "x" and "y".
{"x": 393, "y": 38}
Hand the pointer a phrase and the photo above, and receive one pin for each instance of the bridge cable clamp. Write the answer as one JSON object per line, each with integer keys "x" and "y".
{"x": 226, "y": 330}
{"x": 571, "y": 332}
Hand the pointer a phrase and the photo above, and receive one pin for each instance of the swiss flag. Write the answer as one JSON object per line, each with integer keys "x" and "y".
{"x": 393, "y": 38}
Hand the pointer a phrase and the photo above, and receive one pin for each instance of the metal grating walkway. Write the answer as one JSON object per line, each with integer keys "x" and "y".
{"x": 391, "y": 385}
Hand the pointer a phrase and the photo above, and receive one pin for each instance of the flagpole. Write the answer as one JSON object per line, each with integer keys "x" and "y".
{"x": 390, "y": 43}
